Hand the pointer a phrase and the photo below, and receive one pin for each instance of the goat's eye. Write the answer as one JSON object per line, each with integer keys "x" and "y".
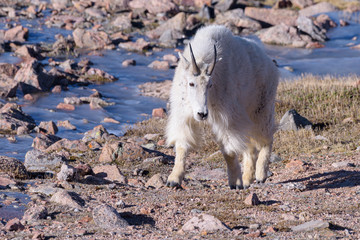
{"x": 191, "y": 84}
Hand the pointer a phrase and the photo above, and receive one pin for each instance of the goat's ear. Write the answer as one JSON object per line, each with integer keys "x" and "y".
{"x": 182, "y": 58}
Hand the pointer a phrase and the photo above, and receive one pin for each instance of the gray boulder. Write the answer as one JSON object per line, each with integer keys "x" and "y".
{"x": 107, "y": 217}
{"x": 37, "y": 161}
{"x": 294, "y": 121}
{"x": 306, "y": 25}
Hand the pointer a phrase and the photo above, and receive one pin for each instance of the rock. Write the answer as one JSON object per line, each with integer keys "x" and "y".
{"x": 159, "y": 65}
{"x": 171, "y": 58}
{"x": 169, "y": 38}
{"x": 37, "y": 235}
{"x": 225, "y": 5}
{"x": 13, "y": 167}
{"x": 66, "y": 124}
{"x": 91, "y": 39}
{"x": 325, "y": 22}
{"x": 138, "y": 46}
{"x": 60, "y": 4}
{"x": 272, "y": 16}
{"x": 65, "y": 106}
{"x": 14, "y": 225}
{"x": 128, "y": 62}
{"x": 310, "y": 226}
{"x": 110, "y": 152}
{"x": 306, "y": 25}
{"x": 294, "y": 186}
{"x": 99, "y": 76}
{"x": 83, "y": 169}
{"x": 94, "y": 12}
{"x": 178, "y": 23}
{"x": 343, "y": 23}
{"x": 131, "y": 152}
{"x": 32, "y": 77}
{"x": 115, "y": 5}
{"x": 67, "y": 173}
{"x": 37, "y": 161}
{"x": 157, "y": 181}
{"x": 252, "y": 200}
{"x": 321, "y": 7}
{"x": 45, "y": 189}
{"x": 154, "y": 6}
{"x": 110, "y": 120}
{"x": 48, "y": 127}
{"x": 12, "y": 117}
{"x": 204, "y": 222}
{"x": 122, "y": 23}
{"x": 98, "y": 133}
{"x": 109, "y": 172}
{"x": 42, "y": 142}
{"x": 343, "y": 164}
{"x": 207, "y": 12}
{"x": 282, "y": 4}
{"x": 56, "y": 89}
{"x": 204, "y": 174}
{"x": 283, "y": 35}
{"x": 294, "y": 121}
{"x": 5, "y": 181}
{"x": 72, "y": 100}
{"x": 156, "y": 89}
{"x": 238, "y": 19}
{"x": 158, "y": 113}
{"x": 16, "y": 34}
{"x": 68, "y": 145}
{"x": 8, "y": 86}
{"x": 28, "y": 52}
{"x": 302, "y": 3}
{"x": 107, "y": 217}
{"x": 69, "y": 199}
{"x": 34, "y": 213}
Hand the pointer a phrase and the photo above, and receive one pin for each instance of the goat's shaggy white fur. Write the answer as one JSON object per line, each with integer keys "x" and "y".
{"x": 237, "y": 101}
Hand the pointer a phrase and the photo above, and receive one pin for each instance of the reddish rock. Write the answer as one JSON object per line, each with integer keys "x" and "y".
{"x": 69, "y": 145}
{"x": 273, "y": 16}
{"x": 66, "y": 124}
{"x": 34, "y": 213}
{"x": 325, "y": 22}
{"x": 64, "y": 106}
{"x": 98, "y": 133}
{"x": 321, "y": 7}
{"x": 14, "y": 225}
{"x": 138, "y": 46}
{"x": 132, "y": 151}
{"x": 16, "y": 34}
{"x": 252, "y": 200}
{"x": 122, "y": 22}
{"x": 159, "y": 112}
{"x": 65, "y": 198}
{"x": 67, "y": 173}
{"x": 29, "y": 97}
{"x": 95, "y": 105}
{"x": 204, "y": 223}
{"x": 110, "y": 152}
{"x": 156, "y": 181}
{"x": 83, "y": 169}
{"x": 110, "y": 120}
{"x": 32, "y": 77}
{"x": 28, "y": 52}
{"x": 170, "y": 58}
{"x": 109, "y": 172}
{"x": 12, "y": 117}
{"x": 344, "y": 23}
{"x": 238, "y": 19}
{"x": 155, "y": 6}
{"x": 314, "y": 45}
{"x": 5, "y": 182}
{"x": 107, "y": 217}
{"x": 159, "y": 65}
{"x": 37, "y": 235}
{"x": 48, "y": 127}
{"x": 99, "y": 76}
{"x": 91, "y": 39}
{"x": 302, "y": 3}
{"x": 128, "y": 62}
{"x": 283, "y": 4}
{"x": 42, "y": 142}
{"x": 161, "y": 142}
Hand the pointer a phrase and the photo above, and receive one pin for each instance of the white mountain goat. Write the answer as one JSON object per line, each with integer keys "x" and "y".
{"x": 229, "y": 83}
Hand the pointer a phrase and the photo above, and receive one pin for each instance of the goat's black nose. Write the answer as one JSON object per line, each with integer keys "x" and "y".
{"x": 203, "y": 115}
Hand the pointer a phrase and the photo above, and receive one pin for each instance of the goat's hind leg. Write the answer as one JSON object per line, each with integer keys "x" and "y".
{"x": 178, "y": 171}
{"x": 233, "y": 169}
{"x": 262, "y": 164}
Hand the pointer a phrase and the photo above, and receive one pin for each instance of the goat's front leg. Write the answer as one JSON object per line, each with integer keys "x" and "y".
{"x": 234, "y": 170}
{"x": 178, "y": 172}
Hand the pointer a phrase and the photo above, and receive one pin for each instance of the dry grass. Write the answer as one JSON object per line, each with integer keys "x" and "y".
{"x": 325, "y": 101}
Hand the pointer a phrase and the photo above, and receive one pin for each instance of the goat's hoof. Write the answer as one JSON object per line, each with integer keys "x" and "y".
{"x": 236, "y": 187}
{"x": 173, "y": 184}
{"x": 246, "y": 186}
{"x": 260, "y": 181}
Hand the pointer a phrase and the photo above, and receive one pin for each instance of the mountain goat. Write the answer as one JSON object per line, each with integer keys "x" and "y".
{"x": 229, "y": 83}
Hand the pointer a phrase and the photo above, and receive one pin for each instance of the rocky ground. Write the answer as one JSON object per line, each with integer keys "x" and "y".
{"x": 104, "y": 186}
